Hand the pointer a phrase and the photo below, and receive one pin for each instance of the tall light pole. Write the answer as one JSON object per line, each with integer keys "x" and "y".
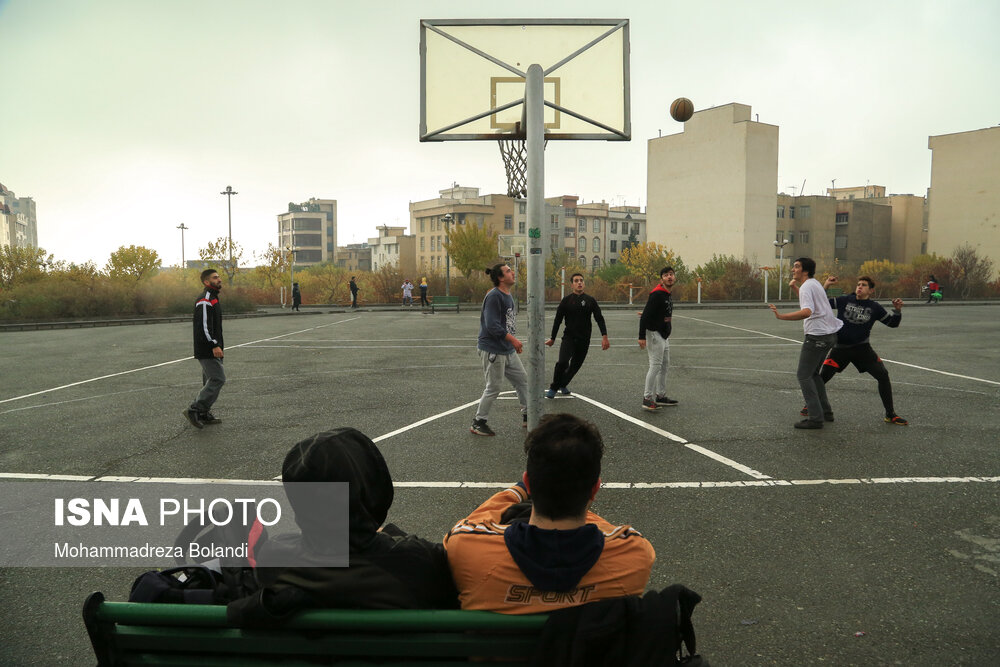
{"x": 447, "y": 254}
{"x": 781, "y": 261}
{"x": 182, "y": 228}
{"x": 229, "y": 192}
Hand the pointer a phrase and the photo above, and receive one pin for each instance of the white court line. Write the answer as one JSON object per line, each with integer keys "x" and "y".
{"x": 900, "y": 363}
{"x": 165, "y": 363}
{"x": 693, "y": 447}
{"x": 630, "y": 486}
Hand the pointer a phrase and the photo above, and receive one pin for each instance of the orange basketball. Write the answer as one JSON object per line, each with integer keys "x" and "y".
{"x": 682, "y": 109}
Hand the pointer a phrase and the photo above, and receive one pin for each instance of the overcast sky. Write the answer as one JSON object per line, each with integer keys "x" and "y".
{"x": 123, "y": 118}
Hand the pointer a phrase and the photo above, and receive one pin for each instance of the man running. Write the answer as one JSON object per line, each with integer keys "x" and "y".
{"x": 859, "y": 312}
{"x": 820, "y": 326}
{"x": 577, "y": 308}
{"x": 656, "y": 322}
{"x": 498, "y": 348}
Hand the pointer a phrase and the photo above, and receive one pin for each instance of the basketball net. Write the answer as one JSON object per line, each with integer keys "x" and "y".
{"x": 514, "y": 151}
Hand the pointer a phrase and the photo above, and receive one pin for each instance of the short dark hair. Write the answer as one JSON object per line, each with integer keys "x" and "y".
{"x": 207, "y": 273}
{"x": 666, "y": 269}
{"x": 495, "y": 271}
{"x": 808, "y": 265}
{"x": 575, "y": 275}
{"x": 871, "y": 283}
{"x": 564, "y": 463}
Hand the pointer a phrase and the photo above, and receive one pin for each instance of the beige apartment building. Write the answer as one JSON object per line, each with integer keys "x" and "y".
{"x": 711, "y": 188}
{"x": 354, "y": 257}
{"x": 908, "y": 237}
{"x": 309, "y": 230}
{"x": 394, "y": 247}
{"x": 18, "y": 221}
{"x": 857, "y": 192}
{"x": 964, "y": 197}
{"x": 851, "y": 231}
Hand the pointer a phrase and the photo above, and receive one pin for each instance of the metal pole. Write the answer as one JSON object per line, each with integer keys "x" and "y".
{"x": 766, "y": 272}
{"x": 229, "y": 192}
{"x": 562, "y": 286}
{"x": 781, "y": 266}
{"x": 447, "y": 256}
{"x": 182, "y": 228}
{"x": 699, "y": 291}
{"x": 534, "y": 114}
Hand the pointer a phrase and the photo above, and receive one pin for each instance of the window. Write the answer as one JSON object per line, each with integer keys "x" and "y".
{"x": 780, "y": 236}
{"x": 329, "y": 246}
{"x": 791, "y": 237}
{"x": 508, "y": 222}
{"x": 803, "y": 237}
{"x": 461, "y": 218}
{"x": 583, "y": 245}
{"x": 422, "y": 224}
{"x": 597, "y": 226}
{"x": 781, "y": 211}
{"x": 805, "y": 212}
{"x": 307, "y": 224}
{"x": 597, "y": 262}
{"x": 840, "y": 242}
{"x": 613, "y": 246}
{"x": 433, "y": 243}
{"x": 635, "y": 228}
{"x": 521, "y": 208}
{"x": 597, "y": 244}
{"x": 614, "y": 226}
{"x": 582, "y": 225}
{"x": 791, "y": 212}
{"x": 555, "y": 241}
{"x": 841, "y": 218}
{"x": 520, "y": 227}
{"x": 299, "y": 240}
{"x": 583, "y": 260}
{"x": 422, "y": 239}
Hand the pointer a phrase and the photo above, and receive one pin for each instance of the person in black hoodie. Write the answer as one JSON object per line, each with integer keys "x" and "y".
{"x": 388, "y": 568}
{"x": 654, "y": 330}
{"x": 577, "y": 308}
{"x": 208, "y": 350}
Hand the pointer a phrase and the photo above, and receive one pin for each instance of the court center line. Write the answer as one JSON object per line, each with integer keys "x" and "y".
{"x": 628, "y": 486}
{"x": 900, "y": 363}
{"x": 165, "y": 363}
{"x": 693, "y": 447}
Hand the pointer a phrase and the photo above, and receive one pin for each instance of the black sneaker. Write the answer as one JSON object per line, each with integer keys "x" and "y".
{"x": 665, "y": 400}
{"x": 896, "y": 419}
{"x": 524, "y": 420}
{"x": 565, "y": 391}
{"x": 479, "y": 427}
{"x": 650, "y": 404}
{"x": 209, "y": 418}
{"x": 192, "y": 416}
{"x": 827, "y": 416}
{"x": 808, "y": 424}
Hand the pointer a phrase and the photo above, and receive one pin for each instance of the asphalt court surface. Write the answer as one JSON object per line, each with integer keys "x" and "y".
{"x": 796, "y": 539}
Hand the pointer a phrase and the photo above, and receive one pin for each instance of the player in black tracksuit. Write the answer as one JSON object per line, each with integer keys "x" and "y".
{"x": 577, "y": 308}
{"x": 208, "y": 350}
{"x": 859, "y": 314}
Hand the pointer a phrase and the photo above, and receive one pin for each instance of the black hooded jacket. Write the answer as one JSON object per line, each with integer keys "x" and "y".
{"x": 388, "y": 569}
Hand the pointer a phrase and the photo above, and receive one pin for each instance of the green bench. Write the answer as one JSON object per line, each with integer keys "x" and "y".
{"x": 444, "y": 302}
{"x": 131, "y": 633}
{"x": 834, "y": 291}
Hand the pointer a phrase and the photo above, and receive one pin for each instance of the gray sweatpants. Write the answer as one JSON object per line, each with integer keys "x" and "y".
{"x": 811, "y": 357}
{"x": 214, "y": 376}
{"x": 658, "y": 349}
{"x": 496, "y": 367}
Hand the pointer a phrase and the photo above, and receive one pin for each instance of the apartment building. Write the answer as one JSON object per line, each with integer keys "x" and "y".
{"x": 309, "y": 230}
{"x": 827, "y": 229}
{"x": 18, "y": 221}
{"x": 354, "y": 257}
{"x": 394, "y": 247}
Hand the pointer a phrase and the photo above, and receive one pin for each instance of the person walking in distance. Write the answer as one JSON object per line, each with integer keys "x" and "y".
{"x": 577, "y": 308}
{"x": 208, "y": 350}
{"x": 296, "y": 296}
{"x": 654, "y": 330}
{"x": 499, "y": 348}
{"x": 407, "y": 293}
{"x": 354, "y": 293}
{"x": 820, "y": 326}
{"x": 859, "y": 312}
{"x": 423, "y": 292}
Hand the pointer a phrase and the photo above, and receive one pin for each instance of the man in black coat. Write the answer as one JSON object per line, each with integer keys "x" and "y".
{"x": 208, "y": 350}
{"x": 577, "y": 308}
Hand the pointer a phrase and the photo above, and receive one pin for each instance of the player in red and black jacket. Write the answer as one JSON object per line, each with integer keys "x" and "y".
{"x": 654, "y": 330}
{"x": 208, "y": 350}
{"x": 859, "y": 312}
{"x": 577, "y": 308}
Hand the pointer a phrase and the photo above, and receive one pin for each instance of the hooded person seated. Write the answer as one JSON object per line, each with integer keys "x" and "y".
{"x": 388, "y": 568}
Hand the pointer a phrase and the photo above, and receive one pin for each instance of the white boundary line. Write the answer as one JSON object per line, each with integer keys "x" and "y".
{"x": 900, "y": 363}
{"x": 637, "y": 486}
{"x": 165, "y": 363}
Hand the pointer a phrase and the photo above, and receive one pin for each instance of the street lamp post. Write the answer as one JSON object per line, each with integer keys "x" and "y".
{"x": 447, "y": 253}
{"x": 229, "y": 192}
{"x": 781, "y": 261}
{"x": 182, "y": 228}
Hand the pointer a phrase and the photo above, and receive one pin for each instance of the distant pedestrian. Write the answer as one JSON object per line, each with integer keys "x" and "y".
{"x": 354, "y": 293}
{"x": 820, "y": 325}
{"x": 208, "y": 350}
{"x": 296, "y": 296}
{"x": 577, "y": 308}
{"x": 407, "y": 293}
{"x": 655, "y": 326}
{"x": 499, "y": 348}
{"x": 932, "y": 287}
{"x": 423, "y": 292}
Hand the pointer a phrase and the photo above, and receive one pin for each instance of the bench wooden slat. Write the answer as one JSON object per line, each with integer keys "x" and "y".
{"x": 445, "y": 302}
